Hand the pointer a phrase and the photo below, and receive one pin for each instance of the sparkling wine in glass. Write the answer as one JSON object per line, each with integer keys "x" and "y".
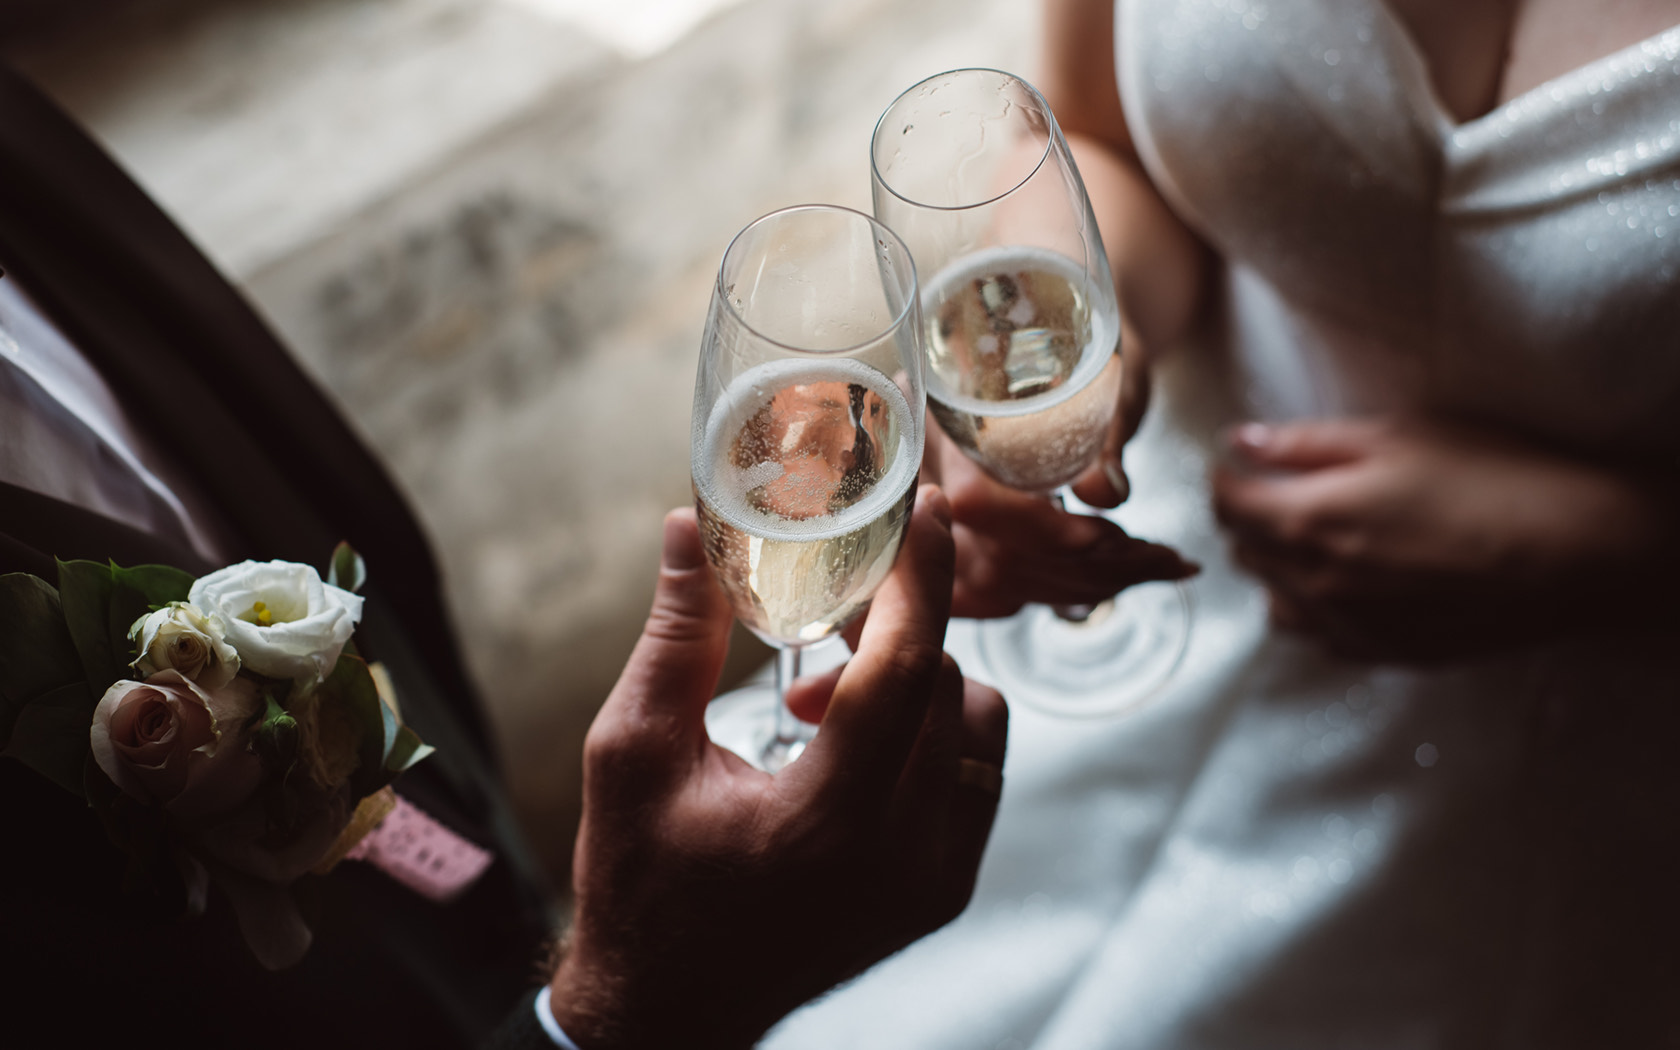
{"x": 806, "y": 442}
{"x": 1024, "y": 367}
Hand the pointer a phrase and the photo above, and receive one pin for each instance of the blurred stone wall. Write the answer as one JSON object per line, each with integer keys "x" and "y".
{"x": 491, "y": 236}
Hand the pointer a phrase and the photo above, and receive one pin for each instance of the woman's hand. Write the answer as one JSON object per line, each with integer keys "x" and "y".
{"x": 1014, "y": 548}
{"x": 1104, "y": 483}
{"x": 1410, "y": 541}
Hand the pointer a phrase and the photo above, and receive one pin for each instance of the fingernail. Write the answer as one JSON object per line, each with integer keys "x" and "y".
{"x": 933, "y": 498}
{"x": 680, "y": 550}
{"x": 1087, "y": 531}
{"x": 1117, "y": 478}
{"x": 1251, "y": 437}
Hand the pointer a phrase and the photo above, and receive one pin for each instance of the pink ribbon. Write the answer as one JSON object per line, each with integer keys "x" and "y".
{"x": 422, "y": 854}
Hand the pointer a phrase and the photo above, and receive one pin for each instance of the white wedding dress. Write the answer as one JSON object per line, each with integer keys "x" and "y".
{"x": 1288, "y": 850}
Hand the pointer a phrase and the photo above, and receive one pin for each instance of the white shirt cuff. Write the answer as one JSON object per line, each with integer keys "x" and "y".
{"x": 545, "y": 1017}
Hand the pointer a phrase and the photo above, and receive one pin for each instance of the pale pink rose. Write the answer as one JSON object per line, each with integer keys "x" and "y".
{"x": 168, "y": 742}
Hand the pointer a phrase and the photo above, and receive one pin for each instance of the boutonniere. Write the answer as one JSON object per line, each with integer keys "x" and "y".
{"x": 224, "y": 728}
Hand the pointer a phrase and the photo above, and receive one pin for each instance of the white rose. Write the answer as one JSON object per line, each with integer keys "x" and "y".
{"x": 180, "y": 637}
{"x": 283, "y": 620}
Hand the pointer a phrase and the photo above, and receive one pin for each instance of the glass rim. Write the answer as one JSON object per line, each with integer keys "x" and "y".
{"x": 911, "y": 301}
{"x": 1049, "y": 140}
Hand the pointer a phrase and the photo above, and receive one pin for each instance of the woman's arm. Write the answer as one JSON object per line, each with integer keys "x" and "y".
{"x": 1160, "y": 267}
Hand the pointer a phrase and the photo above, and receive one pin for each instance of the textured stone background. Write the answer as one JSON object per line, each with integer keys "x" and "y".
{"x": 489, "y": 229}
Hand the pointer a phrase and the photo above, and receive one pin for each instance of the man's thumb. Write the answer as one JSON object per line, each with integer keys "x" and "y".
{"x": 676, "y": 663}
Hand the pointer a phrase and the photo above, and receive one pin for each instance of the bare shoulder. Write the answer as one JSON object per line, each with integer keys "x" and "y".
{"x": 1552, "y": 37}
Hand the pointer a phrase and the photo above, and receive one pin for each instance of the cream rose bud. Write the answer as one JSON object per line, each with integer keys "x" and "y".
{"x": 169, "y": 742}
{"x": 284, "y": 621}
{"x": 180, "y": 637}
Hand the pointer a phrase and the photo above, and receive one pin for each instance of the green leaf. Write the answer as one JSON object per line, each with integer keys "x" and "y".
{"x": 85, "y": 589}
{"x": 126, "y": 606}
{"x": 389, "y": 727}
{"x": 351, "y": 685}
{"x": 347, "y": 569}
{"x": 406, "y": 751}
{"x": 136, "y": 592}
{"x": 158, "y": 585}
{"x": 101, "y": 603}
{"x": 275, "y": 736}
{"x": 37, "y": 657}
{"x": 50, "y": 735}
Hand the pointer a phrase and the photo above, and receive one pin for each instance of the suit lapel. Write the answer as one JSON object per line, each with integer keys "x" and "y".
{"x": 214, "y": 386}
{"x": 36, "y": 529}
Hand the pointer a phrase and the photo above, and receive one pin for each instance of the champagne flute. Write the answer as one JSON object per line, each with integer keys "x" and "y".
{"x": 806, "y": 442}
{"x": 1023, "y": 336}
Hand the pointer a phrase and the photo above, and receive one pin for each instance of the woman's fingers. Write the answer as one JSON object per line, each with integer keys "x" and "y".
{"x": 1105, "y": 484}
{"x": 1303, "y": 510}
{"x": 995, "y": 579}
{"x": 1020, "y": 520}
{"x": 1295, "y": 568}
{"x": 1015, "y": 547}
{"x": 1304, "y": 446}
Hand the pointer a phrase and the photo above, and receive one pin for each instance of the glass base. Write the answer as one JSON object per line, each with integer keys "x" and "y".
{"x": 1107, "y": 664}
{"x": 744, "y": 721}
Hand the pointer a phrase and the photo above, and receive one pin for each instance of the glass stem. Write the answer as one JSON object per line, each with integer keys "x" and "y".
{"x": 790, "y": 734}
{"x": 1070, "y": 613}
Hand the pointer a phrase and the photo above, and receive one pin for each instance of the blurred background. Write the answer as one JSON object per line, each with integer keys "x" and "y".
{"x": 489, "y": 229}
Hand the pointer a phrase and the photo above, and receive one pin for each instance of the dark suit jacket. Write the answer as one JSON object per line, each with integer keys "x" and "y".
{"x": 86, "y": 964}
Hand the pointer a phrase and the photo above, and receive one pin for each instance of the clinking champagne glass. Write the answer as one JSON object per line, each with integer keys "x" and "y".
{"x": 806, "y": 442}
{"x": 1023, "y": 355}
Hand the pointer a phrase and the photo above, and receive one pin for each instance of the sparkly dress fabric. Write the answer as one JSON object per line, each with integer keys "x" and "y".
{"x": 1284, "y": 849}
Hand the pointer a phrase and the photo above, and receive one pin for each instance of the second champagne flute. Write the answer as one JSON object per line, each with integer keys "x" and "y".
{"x": 806, "y": 442}
{"x": 1023, "y": 354}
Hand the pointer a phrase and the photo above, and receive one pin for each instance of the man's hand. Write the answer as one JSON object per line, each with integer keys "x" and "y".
{"x": 713, "y": 898}
{"x": 1014, "y": 547}
{"x": 1408, "y": 541}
